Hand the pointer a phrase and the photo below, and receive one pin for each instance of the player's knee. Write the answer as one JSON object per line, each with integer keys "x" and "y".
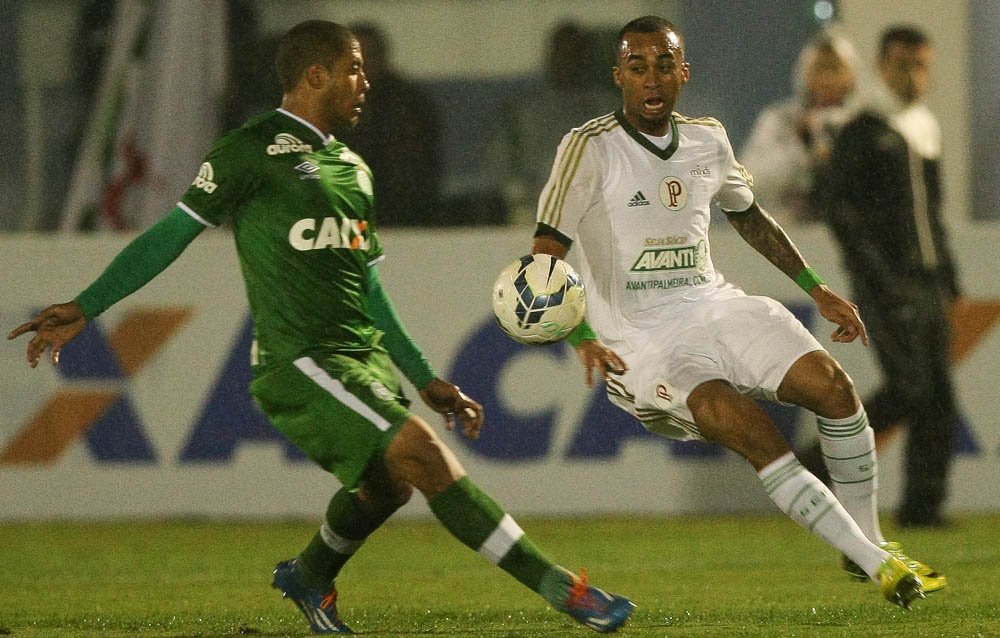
{"x": 835, "y": 394}
{"x": 823, "y": 387}
{"x": 414, "y": 445}
{"x": 418, "y": 457}
{"x": 840, "y": 386}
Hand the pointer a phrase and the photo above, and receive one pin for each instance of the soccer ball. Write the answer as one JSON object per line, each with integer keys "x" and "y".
{"x": 538, "y": 299}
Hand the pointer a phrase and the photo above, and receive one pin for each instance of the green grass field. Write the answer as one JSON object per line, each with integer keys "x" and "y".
{"x": 705, "y": 576}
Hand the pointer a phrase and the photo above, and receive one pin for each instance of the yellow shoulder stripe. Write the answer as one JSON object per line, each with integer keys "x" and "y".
{"x": 567, "y": 164}
{"x": 697, "y": 121}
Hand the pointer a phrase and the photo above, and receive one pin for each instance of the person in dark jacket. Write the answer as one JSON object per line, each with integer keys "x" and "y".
{"x": 399, "y": 136}
{"x": 886, "y": 216}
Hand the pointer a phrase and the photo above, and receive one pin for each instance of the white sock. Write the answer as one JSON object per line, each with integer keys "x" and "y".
{"x": 849, "y": 453}
{"x": 810, "y": 504}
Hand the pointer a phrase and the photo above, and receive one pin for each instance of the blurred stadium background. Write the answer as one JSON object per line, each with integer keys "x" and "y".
{"x": 69, "y": 66}
{"x": 148, "y": 417}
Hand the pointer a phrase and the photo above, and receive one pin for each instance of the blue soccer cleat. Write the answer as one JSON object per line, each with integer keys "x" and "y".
{"x": 319, "y": 606}
{"x": 595, "y": 608}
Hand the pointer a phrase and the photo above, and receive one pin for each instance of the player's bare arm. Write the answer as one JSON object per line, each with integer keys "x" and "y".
{"x": 54, "y": 327}
{"x": 759, "y": 229}
{"x": 595, "y": 356}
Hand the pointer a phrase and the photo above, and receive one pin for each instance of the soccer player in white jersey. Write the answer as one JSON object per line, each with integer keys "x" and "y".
{"x": 681, "y": 349}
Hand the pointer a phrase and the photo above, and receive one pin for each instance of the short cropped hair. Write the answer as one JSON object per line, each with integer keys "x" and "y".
{"x": 308, "y": 43}
{"x": 646, "y": 24}
{"x": 372, "y": 33}
{"x": 901, "y": 34}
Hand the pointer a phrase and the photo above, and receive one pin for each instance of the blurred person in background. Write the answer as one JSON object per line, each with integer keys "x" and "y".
{"x": 399, "y": 137}
{"x": 788, "y": 151}
{"x": 887, "y": 218}
{"x": 12, "y": 187}
{"x": 327, "y": 336}
{"x": 253, "y": 88}
{"x": 523, "y": 146}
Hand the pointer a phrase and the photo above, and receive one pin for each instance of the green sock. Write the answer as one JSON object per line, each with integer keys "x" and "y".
{"x": 475, "y": 519}
{"x": 555, "y": 587}
{"x": 348, "y": 523}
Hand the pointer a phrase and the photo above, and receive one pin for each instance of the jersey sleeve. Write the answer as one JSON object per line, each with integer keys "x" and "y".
{"x": 223, "y": 183}
{"x": 404, "y": 351}
{"x": 375, "y": 252}
{"x": 144, "y": 258}
{"x": 573, "y": 187}
{"x": 736, "y": 191}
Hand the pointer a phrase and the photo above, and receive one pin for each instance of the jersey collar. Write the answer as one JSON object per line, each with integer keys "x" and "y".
{"x": 663, "y": 154}
{"x": 326, "y": 139}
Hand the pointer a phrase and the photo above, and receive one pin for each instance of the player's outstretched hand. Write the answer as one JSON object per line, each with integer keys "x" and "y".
{"x": 841, "y": 312}
{"x": 449, "y": 400}
{"x": 54, "y": 327}
{"x": 597, "y": 356}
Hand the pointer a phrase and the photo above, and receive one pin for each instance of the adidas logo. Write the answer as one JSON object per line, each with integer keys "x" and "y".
{"x": 638, "y": 200}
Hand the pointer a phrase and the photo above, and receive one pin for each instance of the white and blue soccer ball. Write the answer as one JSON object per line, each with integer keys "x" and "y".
{"x": 538, "y": 299}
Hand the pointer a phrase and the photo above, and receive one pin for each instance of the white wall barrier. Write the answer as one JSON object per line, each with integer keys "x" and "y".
{"x": 148, "y": 414}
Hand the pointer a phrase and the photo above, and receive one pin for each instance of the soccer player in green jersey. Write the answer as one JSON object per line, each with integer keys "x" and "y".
{"x": 326, "y": 333}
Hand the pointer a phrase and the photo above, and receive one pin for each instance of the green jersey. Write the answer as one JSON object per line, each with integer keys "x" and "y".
{"x": 300, "y": 204}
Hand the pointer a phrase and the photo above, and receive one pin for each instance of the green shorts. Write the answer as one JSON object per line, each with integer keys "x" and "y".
{"x": 341, "y": 410}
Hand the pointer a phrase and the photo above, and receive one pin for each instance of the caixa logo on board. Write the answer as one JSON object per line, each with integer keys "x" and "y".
{"x": 100, "y": 412}
{"x": 95, "y": 404}
{"x": 95, "y": 409}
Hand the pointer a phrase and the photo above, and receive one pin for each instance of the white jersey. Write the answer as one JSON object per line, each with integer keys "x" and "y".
{"x": 640, "y": 215}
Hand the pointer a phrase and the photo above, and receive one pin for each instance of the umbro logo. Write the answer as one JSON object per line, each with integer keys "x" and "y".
{"x": 638, "y": 200}
{"x": 309, "y": 169}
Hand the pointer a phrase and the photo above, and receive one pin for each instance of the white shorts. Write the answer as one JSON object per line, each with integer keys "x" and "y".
{"x": 750, "y": 342}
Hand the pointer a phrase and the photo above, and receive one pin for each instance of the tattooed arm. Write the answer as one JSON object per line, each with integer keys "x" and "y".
{"x": 759, "y": 229}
